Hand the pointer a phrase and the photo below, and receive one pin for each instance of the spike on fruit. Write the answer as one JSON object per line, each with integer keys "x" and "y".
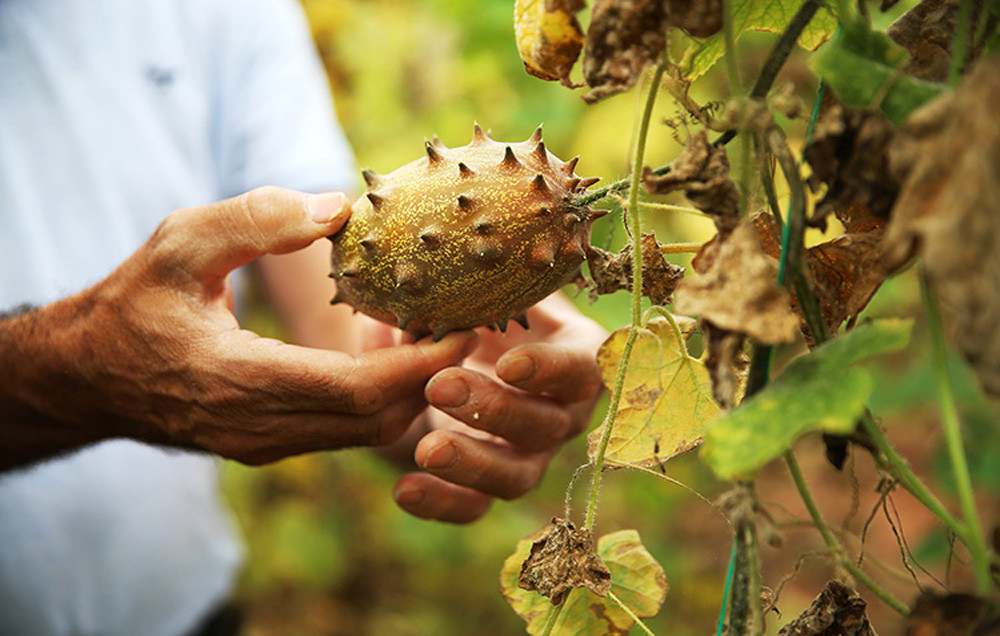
{"x": 502, "y": 325}
{"x": 510, "y": 160}
{"x": 538, "y": 184}
{"x": 433, "y": 155}
{"x": 376, "y": 201}
{"x": 596, "y": 214}
{"x": 540, "y": 154}
{"x": 371, "y": 178}
{"x": 570, "y": 165}
{"x": 478, "y": 136}
{"x": 413, "y": 255}
{"x": 536, "y": 136}
{"x": 438, "y": 143}
{"x": 521, "y": 319}
{"x": 589, "y": 181}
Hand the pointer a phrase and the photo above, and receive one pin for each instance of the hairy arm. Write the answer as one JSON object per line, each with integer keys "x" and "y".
{"x": 154, "y": 353}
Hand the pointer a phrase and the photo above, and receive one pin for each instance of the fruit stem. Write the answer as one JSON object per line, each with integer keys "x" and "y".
{"x": 633, "y": 332}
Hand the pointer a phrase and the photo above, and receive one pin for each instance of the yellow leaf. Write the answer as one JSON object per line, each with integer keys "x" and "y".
{"x": 549, "y": 38}
{"x": 637, "y": 580}
{"x": 666, "y": 400}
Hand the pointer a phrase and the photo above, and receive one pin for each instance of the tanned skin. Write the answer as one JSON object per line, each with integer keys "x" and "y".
{"x": 153, "y": 353}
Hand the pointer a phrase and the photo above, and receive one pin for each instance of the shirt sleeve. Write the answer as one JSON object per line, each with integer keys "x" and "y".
{"x": 275, "y": 123}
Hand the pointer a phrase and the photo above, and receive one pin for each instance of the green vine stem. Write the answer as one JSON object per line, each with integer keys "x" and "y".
{"x": 833, "y": 545}
{"x": 953, "y": 440}
{"x": 960, "y": 44}
{"x": 636, "y": 229}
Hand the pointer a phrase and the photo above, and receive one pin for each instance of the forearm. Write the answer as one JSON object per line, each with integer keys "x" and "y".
{"x": 39, "y": 385}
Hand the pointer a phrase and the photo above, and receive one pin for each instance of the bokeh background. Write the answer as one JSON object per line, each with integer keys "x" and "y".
{"x": 328, "y": 551}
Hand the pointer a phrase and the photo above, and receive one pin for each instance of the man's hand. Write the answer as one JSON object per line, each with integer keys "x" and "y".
{"x": 154, "y": 353}
{"x": 498, "y": 421}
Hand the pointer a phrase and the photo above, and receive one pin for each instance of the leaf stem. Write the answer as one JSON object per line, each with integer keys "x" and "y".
{"x": 552, "y": 619}
{"x": 953, "y": 439}
{"x": 831, "y": 542}
{"x": 631, "y": 614}
{"x": 636, "y": 229}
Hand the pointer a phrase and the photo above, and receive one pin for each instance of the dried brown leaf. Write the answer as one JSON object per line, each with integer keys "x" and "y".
{"x": 837, "y": 611}
{"x": 926, "y": 31}
{"x": 562, "y": 559}
{"x": 948, "y": 160}
{"x": 700, "y": 18}
{"x": 726, "y": 363}
{"x": 848, "y": 153}
{"x": 624, "y": 37}
{"x": 936, "y": 614}
{"x": 612, "y": 272}
{"x": 702, "y": 172}
{"x": 737, "y": 291}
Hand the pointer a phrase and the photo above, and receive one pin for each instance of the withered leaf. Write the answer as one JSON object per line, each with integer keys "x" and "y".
{"x": 738, "y": 290}
{"x": 549, "y": 37}
{"x": 625, "y": 36}
{"x": 612, "y": 272}
{"x": 948, "y": 160}
{"x": 700, "y": 18}
{"x": 562, "y": 559}
{"x": 927, "y": 30}
{"x": 848, "y": 153}
{"x": 837, "y": 611}
{"x": 936, "y": 614}
{"x": 702, "y": 172}
{"x": 845, "y": 272}
{"x": 726, "y": 363}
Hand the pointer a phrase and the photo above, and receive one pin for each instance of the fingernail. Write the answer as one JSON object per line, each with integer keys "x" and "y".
{"x": 516, "y": 369}
{"x": 324, "y": 208}
{"x": 448, "y": 392}
{"x": 444, "y": 456}
{"x": 408, "y": 496}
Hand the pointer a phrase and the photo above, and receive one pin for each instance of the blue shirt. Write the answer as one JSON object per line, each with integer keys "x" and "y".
{"x": 114, "y": 113}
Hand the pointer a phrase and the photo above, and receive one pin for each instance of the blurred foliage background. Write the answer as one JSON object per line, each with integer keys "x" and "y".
{"x": 328, "y": 552}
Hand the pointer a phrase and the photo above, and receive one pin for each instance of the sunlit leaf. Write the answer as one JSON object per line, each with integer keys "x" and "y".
{"x": 666, "y": 398}
{"x": 819, "y": 391}
{"x": 864, "y": 69}
{"x": 636, "y": 579}
{"x": 548, "y": 36}
{"x": 755, "y": 15}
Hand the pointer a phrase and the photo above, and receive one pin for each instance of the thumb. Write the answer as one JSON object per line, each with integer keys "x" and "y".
{"x": 210, "y": 241}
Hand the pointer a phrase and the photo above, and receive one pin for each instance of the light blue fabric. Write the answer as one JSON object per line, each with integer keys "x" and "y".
{"x": 113, "y": 113}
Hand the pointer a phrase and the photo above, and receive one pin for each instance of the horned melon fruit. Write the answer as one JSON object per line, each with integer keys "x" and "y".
{"x": 463, "y": 237}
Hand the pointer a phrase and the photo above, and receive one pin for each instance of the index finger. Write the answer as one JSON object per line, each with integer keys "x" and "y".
{"x": 567, "y": 374}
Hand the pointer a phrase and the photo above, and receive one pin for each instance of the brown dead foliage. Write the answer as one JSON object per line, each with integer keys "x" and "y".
{"x": 927, "y": 30}
{"x": 844, "y": 272}
{"x": 702, "y": 172}
{"x": 936, "y": 614}
{"x": 947, "y": 159}
{"x": 612, "y": 272}
{"x": 849, "y": 154}
{"x": 837, "y": 611}
{"x": 563, "y": 559}
{"x": 737, "y": 288}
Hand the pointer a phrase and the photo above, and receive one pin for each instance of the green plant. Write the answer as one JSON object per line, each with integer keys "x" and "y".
{"x": 907, "y": 157}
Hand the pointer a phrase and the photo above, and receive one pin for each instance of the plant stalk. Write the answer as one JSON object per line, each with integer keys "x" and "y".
{"x": 831, "y": 541}
{"x": 953, "y": 439}
{"x": 635, "y": 224}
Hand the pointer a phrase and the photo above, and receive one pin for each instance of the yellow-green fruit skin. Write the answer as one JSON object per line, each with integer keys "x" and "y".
{"x": 463, "y": 237}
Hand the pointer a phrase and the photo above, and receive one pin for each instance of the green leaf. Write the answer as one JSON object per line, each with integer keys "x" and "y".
{"x": 864, "y": 69}
{"x": 754, "y": 15}
{"x": 636, "y": 579}
{"x": 665, "y": 402}
{"x": 819, "y": 391}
